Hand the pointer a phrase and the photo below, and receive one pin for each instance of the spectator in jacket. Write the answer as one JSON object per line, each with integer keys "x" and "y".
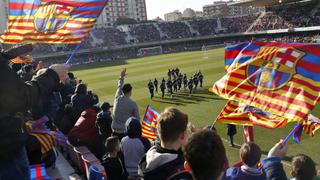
{"x": 111, "y": 162}
{"x": 124, "y": 107}
{"x": 303, "y": 168}
{"x": 86, "y": 133}
{"x": 16, "y": 98}
{"x": 272, "y": 165}
{"x": 250, "y": 155}
{"x": 82, "y": 99}
{"x": 206, "y": 155}
{"x": 133, "y": 147}
{"x": 165, "y": 159}
{"x": 104, "y": 121}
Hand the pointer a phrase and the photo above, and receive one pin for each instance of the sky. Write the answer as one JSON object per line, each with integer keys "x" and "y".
{"x": 157, "y": 8}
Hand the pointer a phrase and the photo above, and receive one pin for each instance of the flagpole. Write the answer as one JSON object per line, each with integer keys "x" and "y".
{"x": 292, "y": 132}
{"x": 73, "y": 53}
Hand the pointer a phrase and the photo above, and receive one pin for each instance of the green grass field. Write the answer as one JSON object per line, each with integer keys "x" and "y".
{"x": 202, "y": 107}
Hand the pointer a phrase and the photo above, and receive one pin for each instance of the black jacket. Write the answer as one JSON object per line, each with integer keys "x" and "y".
{"x": 163, "y": 165}
{"x": 103, "y": 124}
{"x": 114, "y": 168}
{"x": 16, "y": 97}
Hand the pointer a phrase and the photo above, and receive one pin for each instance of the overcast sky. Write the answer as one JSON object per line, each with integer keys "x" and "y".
{"x": 157, "y": 8}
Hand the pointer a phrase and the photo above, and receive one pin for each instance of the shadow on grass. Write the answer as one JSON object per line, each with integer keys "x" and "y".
{"x": 183, "y": 98}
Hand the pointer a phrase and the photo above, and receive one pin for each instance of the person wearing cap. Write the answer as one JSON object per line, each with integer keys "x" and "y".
{"x": 17, "y": 97}
{"x": 124, "y": 107}
{"x": 104, "y": 121}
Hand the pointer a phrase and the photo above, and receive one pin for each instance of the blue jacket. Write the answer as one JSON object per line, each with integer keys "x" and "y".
{"x": 273, "y": 168}
{"x": 235, "y": 173}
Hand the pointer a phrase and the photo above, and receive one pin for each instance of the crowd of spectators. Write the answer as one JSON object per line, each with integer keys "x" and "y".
{"x": 205, "y": 27}
{"x": 238, "y": 24}
{"x": 145, "y": 33}
{"x": 291, "y": 16}
{"x": 175, "y": 30}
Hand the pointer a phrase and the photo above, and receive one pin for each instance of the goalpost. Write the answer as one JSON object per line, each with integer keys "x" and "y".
{"x": 150, "y": 51}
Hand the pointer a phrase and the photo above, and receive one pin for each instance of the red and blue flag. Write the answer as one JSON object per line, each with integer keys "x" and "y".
{"x": 51, "y": 21}
{"x": 149, "y": 124}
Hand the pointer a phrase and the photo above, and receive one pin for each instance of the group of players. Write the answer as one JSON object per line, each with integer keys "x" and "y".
{"x": 175, "y": 82}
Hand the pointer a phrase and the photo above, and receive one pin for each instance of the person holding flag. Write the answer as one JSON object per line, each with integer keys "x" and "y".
{"x": 16, "y": 98}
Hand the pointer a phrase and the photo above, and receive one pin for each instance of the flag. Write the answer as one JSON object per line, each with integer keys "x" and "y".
{"x": 51, "y": 21}
{"x": 248, "y": 134}
{"x": 309, "y": 126}
{"x": 39, "y": 130}
{"x": 241, "y": 114}
{"x": 21, "y": 60}
{"x": 149, "y": 124}
{"x": 281, "y": 79}
{"x": 38, "y": 172}
{"x": 297, "y": 136}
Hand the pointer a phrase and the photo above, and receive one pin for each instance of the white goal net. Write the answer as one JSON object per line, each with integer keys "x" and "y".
{"x": 150, "y": 51}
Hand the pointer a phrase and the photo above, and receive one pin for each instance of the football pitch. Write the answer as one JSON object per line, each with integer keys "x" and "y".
{"x": 202, "y": 107}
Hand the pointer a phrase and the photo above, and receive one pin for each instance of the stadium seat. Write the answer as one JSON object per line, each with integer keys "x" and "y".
{"x": 96, "y": 172}
{"x": 88, "y": 160}
{"x": 80, "y": 151}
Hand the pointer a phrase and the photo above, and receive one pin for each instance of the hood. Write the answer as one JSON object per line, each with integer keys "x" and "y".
{"x": 158, "y": 163}
{"x": 133, "y": 127}
{"x": 156, "y": 159}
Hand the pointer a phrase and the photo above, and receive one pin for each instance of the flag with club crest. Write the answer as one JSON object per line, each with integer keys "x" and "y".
{"x": 51, "y": 21}
{"x": 281, "y": 79}
{"x": 149, "y": 124}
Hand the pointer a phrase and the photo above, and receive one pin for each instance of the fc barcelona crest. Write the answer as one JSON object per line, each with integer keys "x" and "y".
{"x": 273, "y": 67}
{"x": 51, "y": 17}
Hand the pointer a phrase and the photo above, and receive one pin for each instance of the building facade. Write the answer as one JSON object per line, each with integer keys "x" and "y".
{"x": 3, "y": 15}
{"x": 173, "y": 16}
{"x": 133, "y": 9}
{"x": 222, "y": 8}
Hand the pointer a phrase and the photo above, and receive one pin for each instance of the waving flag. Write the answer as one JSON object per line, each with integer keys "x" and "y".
{"x": 281, "y": 79}
{"x": 308, "y": 126}
{"x": 149, "y": 124}
{"x": 51, "y": 21}
{"x": 38, "y": 172}
{"x": 248, "y": 135}
{"x": 241, "y": 114}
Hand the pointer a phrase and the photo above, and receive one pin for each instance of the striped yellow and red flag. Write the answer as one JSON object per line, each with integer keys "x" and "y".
{"x": 281, "y": 79}
{"x": 149, "y": 124}
{"x": 51, "y": 21}
{"x": 241, "y": 114}
{"x": 311, "y": 125}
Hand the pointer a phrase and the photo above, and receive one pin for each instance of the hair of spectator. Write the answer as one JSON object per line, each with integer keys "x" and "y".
{"x": 105, "y": 106}
{"x": 303, "y": 167}
{"x": 112, "y": 143}
{"x": 250, "y": 154}
{"x": 81, "y": 89}
{"x": 126, "y": 88}
{"x": 206, "y": 155}
{"x": 171, "y": 123}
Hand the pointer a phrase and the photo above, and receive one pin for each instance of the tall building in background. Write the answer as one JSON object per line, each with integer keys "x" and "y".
{"x": 3, "y": 15}
{"x": 137, "y": 10}
{"x": 133, "y": 9}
